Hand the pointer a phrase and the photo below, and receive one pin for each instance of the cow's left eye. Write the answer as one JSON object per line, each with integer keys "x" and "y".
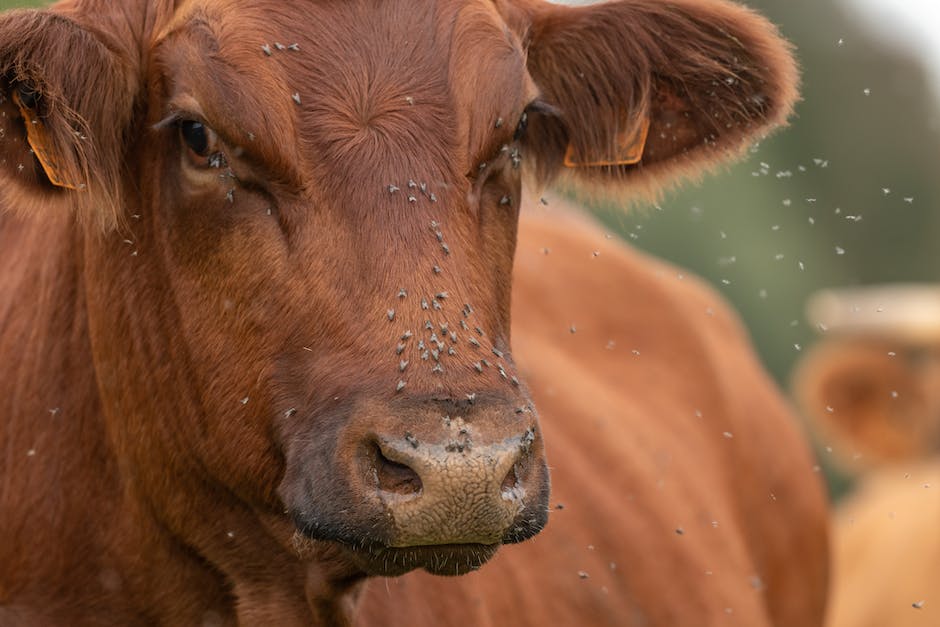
{"x": 201, "y": 144}
{"x": 196, "y": 136}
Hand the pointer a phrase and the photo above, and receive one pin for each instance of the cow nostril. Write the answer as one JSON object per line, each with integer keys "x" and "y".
{"x": 511, "y": 482}
{"x": 393, "y": 476}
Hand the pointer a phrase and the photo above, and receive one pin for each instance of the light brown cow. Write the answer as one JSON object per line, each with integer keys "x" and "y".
{"x": 256, "y": 277}
{"x": 872, "y": 392}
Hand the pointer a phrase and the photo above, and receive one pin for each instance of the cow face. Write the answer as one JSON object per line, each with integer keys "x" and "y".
{"x": 315, "y": 207}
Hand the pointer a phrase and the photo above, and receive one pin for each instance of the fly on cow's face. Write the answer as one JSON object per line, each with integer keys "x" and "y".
{"x": 537, "y": 106}
{"x": 522, "y": 126}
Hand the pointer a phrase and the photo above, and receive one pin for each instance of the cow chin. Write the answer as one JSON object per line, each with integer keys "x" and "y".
{"x": 369, "y": 545}
{"x": 448, "y": 559}
{"x": 378, "y": 558}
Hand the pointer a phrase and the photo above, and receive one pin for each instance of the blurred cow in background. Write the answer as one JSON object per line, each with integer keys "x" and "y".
{"x": 872, "y": 392}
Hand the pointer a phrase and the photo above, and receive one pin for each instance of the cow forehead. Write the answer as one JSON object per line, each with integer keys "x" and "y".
{"x": 367, "y": 90}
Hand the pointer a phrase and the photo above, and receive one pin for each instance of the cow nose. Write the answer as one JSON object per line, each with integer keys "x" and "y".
{"x": 452, "y": 492}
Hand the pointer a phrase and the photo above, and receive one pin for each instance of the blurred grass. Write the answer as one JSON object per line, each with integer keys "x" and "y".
{"x": 12, "y": 4}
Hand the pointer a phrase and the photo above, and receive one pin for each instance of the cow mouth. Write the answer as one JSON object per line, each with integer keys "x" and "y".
{"x": 443, "y": 559}
{"x": 375, "y": 557}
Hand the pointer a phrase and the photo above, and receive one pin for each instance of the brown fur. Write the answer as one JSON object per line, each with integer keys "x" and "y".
{"x": 204, "y": 356}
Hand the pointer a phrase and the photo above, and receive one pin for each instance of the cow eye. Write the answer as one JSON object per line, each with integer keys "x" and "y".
{"x": 201, "y": 144}
{"x": 196, "y": 136}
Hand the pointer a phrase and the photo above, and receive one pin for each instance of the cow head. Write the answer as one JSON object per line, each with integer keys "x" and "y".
{"x": 297, "y": 226}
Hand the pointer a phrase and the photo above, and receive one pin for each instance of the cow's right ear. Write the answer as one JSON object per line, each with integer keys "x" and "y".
{"x": 66, "y": 99}
{"x": 865, "y": 398}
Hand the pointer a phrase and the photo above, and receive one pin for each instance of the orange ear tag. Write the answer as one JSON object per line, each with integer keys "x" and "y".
{"x": 39, "y": 141}
{"x": 630, "y": 150}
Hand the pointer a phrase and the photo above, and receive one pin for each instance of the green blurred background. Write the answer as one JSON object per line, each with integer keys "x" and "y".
{"x": 11, "y": 4}
{"x": 844, "y": 196}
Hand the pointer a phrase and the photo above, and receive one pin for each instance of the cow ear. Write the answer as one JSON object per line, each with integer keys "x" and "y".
{"x": 66, "y": 97}
{"x": 865, "y": 398}
{"x": 652, "y": 90}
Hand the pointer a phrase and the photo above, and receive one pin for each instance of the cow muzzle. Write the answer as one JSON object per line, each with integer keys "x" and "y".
{"x": 452, "y": 492}
{"x": 432, "y": 484}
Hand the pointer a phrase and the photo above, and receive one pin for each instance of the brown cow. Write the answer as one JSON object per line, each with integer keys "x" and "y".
{"x": 256, "y": 276}
{"x": 871, "y": 389}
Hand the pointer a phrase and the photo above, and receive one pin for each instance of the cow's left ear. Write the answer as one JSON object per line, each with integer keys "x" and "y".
{"x": 652, "y": 90}
{"x": 66, "y": 98}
